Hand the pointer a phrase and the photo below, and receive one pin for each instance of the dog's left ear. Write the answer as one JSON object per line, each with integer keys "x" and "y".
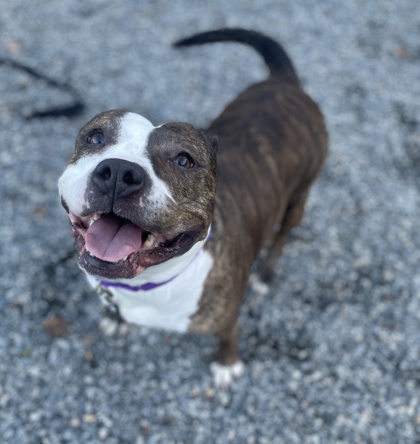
{"x": 214, "y": 141}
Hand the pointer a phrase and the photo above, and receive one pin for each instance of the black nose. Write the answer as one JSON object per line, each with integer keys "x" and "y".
{"x": 118, "y": 178}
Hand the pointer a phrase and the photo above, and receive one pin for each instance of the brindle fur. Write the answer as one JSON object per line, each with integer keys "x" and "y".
{"x": 272, "y": 144}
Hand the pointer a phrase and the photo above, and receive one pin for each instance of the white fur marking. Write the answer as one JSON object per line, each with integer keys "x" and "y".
{"x": 169, "y": 306}
{"x": 131, "y": 146}
{"x": 109, "y": 327}
{"x": 223, "y": 375}
{"x": 258, "y": 285}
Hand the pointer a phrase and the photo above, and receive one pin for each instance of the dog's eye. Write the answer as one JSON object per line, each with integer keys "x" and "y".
{"x": 184, "y": 160}
{"x": 95, "y": 137}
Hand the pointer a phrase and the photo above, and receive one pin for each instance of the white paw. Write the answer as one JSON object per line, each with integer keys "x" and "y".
{"x": 109, "y": 327}
{"x": 223, "y": 375}
{"x": 258, "y": 285}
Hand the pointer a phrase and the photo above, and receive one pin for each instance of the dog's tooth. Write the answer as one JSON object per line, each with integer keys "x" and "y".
{"x": 149, "y": 241}
{"x": 94, "y": 218}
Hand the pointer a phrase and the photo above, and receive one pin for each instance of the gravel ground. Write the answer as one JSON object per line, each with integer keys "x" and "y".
{"x": 332, "y": 352}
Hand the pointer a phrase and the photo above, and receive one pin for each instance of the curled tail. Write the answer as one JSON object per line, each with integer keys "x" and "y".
{"x": 272, "y": 52}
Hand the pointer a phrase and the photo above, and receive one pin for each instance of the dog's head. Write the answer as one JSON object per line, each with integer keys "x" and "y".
{"x": 137, "y": 195}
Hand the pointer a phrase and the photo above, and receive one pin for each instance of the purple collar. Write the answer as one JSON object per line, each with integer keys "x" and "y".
{"x": 145, "y": 287}
{"x": 148, "y": 285}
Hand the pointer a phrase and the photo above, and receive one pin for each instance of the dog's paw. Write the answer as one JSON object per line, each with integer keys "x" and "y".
{"x": 223, "y": 375}
{"x": 111, "y": 327}
{"x": 258, "y": 285}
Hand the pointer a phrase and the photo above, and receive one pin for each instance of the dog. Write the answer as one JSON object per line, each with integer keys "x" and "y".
{"x": 169, "y": 220}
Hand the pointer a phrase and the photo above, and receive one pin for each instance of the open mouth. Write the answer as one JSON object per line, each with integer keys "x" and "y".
{"x": 113, "y": 247}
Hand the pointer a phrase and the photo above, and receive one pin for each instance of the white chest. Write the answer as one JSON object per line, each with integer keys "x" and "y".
{"x": 169, "y": 306}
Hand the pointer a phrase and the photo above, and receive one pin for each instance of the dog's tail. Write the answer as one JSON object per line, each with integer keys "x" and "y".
{"x": 273, "y": 53}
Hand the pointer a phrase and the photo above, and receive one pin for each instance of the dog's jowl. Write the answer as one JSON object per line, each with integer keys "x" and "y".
{"x": 168, "y": 220}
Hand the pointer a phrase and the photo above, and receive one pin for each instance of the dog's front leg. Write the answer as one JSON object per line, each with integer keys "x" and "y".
{"x": 228, "y": 366}
{"x": 113, "y": 323}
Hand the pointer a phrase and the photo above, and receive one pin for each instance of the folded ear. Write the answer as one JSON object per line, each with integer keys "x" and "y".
{"x": 214, "y": 140}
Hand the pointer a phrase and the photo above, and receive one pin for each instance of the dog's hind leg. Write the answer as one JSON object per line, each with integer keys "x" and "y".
{"x": 292, "y": 217}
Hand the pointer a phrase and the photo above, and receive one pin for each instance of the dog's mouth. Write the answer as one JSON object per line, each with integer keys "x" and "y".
{"x": 114, "y": 247}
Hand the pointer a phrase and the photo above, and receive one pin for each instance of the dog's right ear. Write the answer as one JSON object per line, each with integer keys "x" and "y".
{"x": 214, "y": 141}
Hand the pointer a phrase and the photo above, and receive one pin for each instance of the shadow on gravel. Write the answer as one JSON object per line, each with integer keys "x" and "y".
{"x": 408, "y": 164}
{"x": 76, "y": 106}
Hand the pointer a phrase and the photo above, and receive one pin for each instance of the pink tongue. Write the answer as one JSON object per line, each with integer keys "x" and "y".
{"x": 111, "y": 239}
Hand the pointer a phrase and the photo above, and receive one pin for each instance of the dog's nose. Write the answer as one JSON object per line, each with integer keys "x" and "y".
{"x": 118, "y": 178}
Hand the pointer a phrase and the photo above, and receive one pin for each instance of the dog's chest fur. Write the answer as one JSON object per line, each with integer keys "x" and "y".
{"x": 172, "y": 301}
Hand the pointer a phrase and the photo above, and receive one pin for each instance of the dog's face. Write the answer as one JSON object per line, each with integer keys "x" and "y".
{"x": 137, "y": 195}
